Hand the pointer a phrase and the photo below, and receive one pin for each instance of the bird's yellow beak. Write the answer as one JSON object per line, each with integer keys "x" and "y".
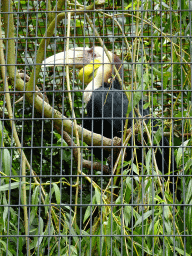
{"x": 88, "y": 72}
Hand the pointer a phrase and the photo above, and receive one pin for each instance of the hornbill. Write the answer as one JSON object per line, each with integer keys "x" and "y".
{"x": 107, "y": 103}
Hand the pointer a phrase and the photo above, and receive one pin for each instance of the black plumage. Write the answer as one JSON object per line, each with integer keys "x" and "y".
{"x": 106, "y": 115}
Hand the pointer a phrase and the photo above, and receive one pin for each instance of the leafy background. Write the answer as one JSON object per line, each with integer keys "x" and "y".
{"x": 127, "y": 216}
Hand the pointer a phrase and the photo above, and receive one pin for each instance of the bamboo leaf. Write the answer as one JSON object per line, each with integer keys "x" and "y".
{"x": 57, "y": 193}
{"x": 10, "y": 186}
{"x": 98, "y": 195}
{"x": 143, "y": 217}
{"x": 189, "y": 192}
{"x": 181, "y": 150}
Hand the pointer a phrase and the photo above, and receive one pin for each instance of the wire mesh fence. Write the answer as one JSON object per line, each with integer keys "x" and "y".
{"x": 95, "y": 128}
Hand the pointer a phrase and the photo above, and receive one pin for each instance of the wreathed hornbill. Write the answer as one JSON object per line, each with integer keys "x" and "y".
{"x": 107, "y": 103}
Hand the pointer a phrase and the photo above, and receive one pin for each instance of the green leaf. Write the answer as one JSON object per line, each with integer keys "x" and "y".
{"x": 10, "y": 186}
{"x": 128, "y": 190}
{"x": 127, "y": 214}
{"x": 168, "y": 226}
{"x": 46, "y": 203}
{"x": 135, "y": 169}
{"x": 129, "y": 6}
{"x": 35, "y": 196}
{"x": 5, "y": 212}
{"x": 57, "y": 193}
{"x": 5, "y": 248}
{"x": 188, "y": 165}
{"x": 35, "y": 201}
{"x": 156, "y": 227}
{"x": 87, "y": 213}
{"x": 117, "y": 252}
{"x": 146, "y": 105}
{"x": 158, "y": 136}
{"x": 143, "y": 217}
{"x": 40, "y": 232}
{"x": 6, "y": 161}
{"x": 189, "y": 192}
{"x": 181, "y": 150}
{"x": 148, "y": 160}
{"x": 180, "y": 251}
{"x": 41, "y": 226}
{"x": 166, "y": 212}
{"x": 97, "y": 195}
{"x": 73, "y": 250}
{"x": 79, "y": 23}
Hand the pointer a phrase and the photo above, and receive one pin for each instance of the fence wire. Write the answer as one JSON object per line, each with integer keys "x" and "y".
{"x": 95, "y": 127}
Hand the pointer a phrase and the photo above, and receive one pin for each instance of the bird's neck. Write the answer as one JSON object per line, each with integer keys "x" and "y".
{"x": 103, "y": 75}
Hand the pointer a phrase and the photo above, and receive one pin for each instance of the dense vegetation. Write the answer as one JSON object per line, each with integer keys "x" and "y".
{"x": 50, "y": 202}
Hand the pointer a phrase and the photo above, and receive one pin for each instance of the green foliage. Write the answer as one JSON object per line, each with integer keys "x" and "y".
{"x": 125, "y": 216}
